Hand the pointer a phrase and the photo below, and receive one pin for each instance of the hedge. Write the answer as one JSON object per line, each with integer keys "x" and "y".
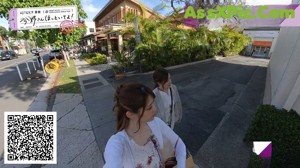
{"x": 282, "y": 127}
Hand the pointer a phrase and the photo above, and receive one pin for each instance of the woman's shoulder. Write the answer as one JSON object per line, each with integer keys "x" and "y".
{"x": 114, "y": 150}
{"x": 118, "y": 138}
{"x": 156, "y": 121}
{"x": 155, "y": 90}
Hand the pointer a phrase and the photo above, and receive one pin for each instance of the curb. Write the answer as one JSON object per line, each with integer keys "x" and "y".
{"x": 52, "y": 91}
{"x": 177, "y": 66}
{"x": 45, "y": 95}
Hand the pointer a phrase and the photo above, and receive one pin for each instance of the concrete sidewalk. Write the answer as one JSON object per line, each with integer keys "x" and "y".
{"x": 98, "y": 97}
{"x": 77, "y": 144}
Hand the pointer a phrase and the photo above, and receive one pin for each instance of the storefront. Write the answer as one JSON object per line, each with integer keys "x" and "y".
{"x": 263, "y": 41}
{"x": 261, "y": 48}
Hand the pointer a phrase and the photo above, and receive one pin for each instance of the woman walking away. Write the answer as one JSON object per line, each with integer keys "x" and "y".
{"x": 140, "y": 136}
{"x": 167, "y": 98}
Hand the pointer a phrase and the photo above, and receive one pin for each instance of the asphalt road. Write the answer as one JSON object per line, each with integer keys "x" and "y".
{"x": 17, "y": 95}
{"x": 14, "y": 93}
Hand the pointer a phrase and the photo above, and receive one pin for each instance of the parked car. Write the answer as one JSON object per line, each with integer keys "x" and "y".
{"x": 36, "y": 50}
{"x": 55, "y": 54}
{"x": 8, "y": 55}
{"x": 40, "y": 50}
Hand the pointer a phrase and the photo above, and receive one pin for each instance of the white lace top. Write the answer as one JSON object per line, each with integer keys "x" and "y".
{"x": 118, "y": 151}
{"x": 146, "y": 156}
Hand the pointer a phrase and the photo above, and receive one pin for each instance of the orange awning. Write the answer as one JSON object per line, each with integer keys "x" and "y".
{"x": 262, "y": 43}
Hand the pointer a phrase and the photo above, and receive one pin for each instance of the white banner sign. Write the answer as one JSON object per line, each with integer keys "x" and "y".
{"x": 41, "y": 17}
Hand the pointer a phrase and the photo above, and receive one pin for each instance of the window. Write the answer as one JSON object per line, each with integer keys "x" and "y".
{"x": 92, "y": 30}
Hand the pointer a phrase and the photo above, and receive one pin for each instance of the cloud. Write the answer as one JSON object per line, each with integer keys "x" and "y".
{"x": 268, "y": 2}
{"x": 89, "y": 8}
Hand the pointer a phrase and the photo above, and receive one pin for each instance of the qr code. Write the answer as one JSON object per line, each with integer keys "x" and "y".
{"x": 30, "y": 138}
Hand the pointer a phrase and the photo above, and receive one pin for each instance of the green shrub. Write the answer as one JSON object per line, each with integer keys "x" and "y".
{"x": 164, "y": 46}
{"x": 88, "y": 55}
{"x": 122, "y": 58}
{"x": 228, "y": 42}
{"x": 97, "y": 59}
{"x": 117, "y": 69}
{"x": 255, "y": 161}
{"x": 283, "y": 129}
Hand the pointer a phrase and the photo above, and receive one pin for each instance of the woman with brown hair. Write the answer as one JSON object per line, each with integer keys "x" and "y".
{"x": 140, "y": 136}
{"x": 167, "y": 98}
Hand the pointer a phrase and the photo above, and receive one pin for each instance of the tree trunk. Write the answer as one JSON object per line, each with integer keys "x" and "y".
{"x": 2, "y": 44}
{"x": 172, "y": 5}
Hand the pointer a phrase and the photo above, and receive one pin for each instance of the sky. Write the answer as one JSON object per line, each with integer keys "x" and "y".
{"x": 92, "y": 7}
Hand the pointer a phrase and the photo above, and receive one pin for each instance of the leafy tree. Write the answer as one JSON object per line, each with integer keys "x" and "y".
{"x": 205, "y": 5}
{"x": 3, "y": 32}
{"x": 164, "y": 44}
{"x": 18, "y": 35}
{"x": 45, "y": 36}
{"x": 6, "y": 5}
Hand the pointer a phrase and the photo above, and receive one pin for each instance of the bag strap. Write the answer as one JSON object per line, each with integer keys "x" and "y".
{"x": 176, "y": 146}
{"x": 187, "y": 151}
{"x": 171, "y": 100}
{"x": 171, "y": 107}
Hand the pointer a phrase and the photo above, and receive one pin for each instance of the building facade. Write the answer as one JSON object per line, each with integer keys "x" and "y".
{"x": 263, "y": 41}
{"x": 89, "y": 40}
{"x": 111, "y": 19}
{"x": 264, "y": 32}
{"x": 283, "y": 78}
